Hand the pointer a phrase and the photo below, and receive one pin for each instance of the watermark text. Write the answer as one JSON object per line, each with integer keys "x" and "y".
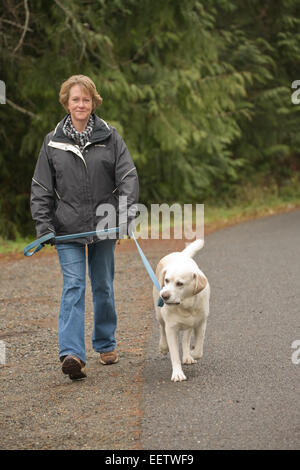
{"x": 2, "y": 353}
{"x": 2, "y": 92}
{"x": 294, "y": 97}
{"x": 160, "y": 221}
{"x": 296, "y": 354}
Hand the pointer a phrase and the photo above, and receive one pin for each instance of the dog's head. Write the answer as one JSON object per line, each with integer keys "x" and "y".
{"x": 180, "y": 282}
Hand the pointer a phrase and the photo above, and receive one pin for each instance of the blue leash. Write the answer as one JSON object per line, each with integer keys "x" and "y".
{"x": 38, "y": 244}
{"x": 149, "y": 270}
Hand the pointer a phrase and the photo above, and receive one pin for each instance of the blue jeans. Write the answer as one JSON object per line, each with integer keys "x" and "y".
{"x": 72, "y": 257}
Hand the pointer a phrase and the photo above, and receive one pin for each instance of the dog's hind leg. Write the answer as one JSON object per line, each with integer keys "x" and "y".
{"x": 163, "y": 345}
{"x": 187, "y": 358}
{"x": 197, "y": 352}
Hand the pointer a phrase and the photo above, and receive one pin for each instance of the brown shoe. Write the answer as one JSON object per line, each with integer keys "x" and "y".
{"x": 110, "y": 357}
{"x": 74, "y": 367}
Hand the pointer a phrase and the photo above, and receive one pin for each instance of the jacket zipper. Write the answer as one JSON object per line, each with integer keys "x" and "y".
{"x": 73, "y": 149}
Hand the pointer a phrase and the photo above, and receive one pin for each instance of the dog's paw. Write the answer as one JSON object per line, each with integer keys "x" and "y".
{"x": 164, "y": 351}
{"x": 197, "y": 355}
{"x": 189, "y": 360}
{"x": 163, "y": 348}
{"x": 178, "y": 376}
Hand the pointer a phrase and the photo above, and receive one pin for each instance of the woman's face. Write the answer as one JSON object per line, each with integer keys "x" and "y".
{"x": 80, "y": 103}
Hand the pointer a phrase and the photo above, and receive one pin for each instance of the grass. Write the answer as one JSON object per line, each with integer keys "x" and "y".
{"x": 17, "y": 246}
{"x": 251, "y": 203}
{"x": 217, "y": 217}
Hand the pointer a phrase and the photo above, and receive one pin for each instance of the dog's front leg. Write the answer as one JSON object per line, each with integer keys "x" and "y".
{"x": 172, "y": 338}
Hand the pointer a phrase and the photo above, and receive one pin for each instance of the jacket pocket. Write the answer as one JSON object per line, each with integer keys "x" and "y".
{"x": 57, "y": 216}
{"x": 67, "y": 219}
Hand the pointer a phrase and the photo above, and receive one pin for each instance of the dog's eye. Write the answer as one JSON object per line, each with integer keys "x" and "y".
{"x": 179, "y": 284}
{"x": 167, "y": 281}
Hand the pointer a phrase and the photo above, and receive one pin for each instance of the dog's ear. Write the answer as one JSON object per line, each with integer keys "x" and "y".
{"x": 160, "y": 274}
{"x": 200, "y": 283}
{"x": 161, "y": 278}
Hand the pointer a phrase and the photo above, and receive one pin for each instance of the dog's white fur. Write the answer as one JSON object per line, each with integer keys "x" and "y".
{"x": 185, "y": 291}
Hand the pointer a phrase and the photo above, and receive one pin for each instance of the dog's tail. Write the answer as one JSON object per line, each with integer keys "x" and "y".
{"x": 192, "y": 249}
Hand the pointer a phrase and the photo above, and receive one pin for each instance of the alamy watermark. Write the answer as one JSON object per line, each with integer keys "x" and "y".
{"x": 294, "y": 97}
{"x": 2, "y": 353}
{"x": 296, "y": 354}
{"x": 2, "y": 92}
{"x": 176, "y": 221}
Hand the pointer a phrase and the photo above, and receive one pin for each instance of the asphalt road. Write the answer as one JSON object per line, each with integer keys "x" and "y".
{"x": 244, "y": 393}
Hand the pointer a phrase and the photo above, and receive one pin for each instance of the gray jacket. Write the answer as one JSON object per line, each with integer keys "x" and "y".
{"x": 69, "y": 185}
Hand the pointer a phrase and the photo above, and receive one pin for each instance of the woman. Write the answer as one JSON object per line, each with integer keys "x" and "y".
{"x": 83, "y": 164}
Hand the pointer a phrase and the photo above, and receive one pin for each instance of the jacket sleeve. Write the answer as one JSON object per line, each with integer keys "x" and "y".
{"x": 42, "y": 194}
{"x": 127, "y": 183}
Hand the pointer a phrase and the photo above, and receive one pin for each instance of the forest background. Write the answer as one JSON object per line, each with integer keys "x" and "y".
{"x": 201, "y": 91}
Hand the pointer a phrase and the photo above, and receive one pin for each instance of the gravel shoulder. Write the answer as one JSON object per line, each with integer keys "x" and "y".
{"x": 40, "y": 408}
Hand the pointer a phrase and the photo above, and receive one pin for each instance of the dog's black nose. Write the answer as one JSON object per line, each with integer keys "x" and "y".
{"x": 165, "y": 296}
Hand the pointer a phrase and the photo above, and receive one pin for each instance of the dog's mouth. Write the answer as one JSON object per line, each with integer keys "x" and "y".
{"x": 171, "y": 303}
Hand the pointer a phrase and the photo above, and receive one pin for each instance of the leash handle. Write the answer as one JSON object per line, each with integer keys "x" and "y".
{"x": 38, "y": 244}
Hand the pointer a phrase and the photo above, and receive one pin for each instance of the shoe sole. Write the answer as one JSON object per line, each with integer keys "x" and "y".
{"x": 107, "y": 363}
{"x": 73, "y": 368}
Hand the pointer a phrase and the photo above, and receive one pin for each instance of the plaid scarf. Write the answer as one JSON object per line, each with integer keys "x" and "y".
{"x": 80, "y": 138}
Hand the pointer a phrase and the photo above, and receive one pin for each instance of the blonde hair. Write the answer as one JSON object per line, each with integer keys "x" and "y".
{"x": 82, "y": 81}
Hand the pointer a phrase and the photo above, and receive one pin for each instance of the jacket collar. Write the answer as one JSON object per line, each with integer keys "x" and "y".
{"x": 101, "y": 131}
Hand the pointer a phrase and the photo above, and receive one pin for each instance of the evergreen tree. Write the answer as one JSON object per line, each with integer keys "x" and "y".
{"x": 200, "y": 91}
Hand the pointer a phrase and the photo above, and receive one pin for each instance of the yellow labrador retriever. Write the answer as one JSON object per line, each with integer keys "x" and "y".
{"x": 185, "y": 292}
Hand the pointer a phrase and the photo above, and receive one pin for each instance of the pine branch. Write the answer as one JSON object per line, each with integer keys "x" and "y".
{"x": 25, "y": 28}
{"x": 15, "y": 24}
{"x": 22, "y": 110}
